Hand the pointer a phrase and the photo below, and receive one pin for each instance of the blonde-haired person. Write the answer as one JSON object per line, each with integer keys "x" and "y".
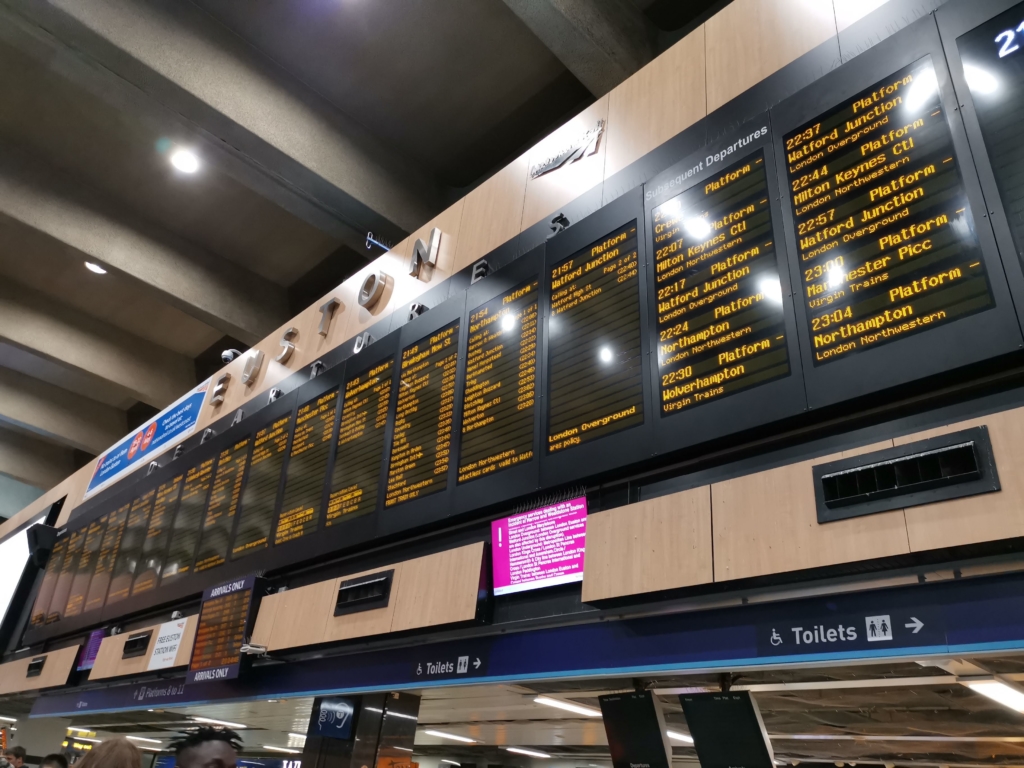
{"x": 112, "y": 753}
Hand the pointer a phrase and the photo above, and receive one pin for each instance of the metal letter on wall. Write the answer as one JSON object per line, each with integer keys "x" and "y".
{"x": 372, "y": 289}
{"x": 327, "y": 315}
{"x": 253, "y": 363}
{"x": 425, "y": 253}
{"x": 286, "y": 346}
{"x": 220, "y": 389}
{"x": 363, "y": 340}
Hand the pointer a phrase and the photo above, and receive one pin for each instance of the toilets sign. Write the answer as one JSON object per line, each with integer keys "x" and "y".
{"x": 838, "y": 633}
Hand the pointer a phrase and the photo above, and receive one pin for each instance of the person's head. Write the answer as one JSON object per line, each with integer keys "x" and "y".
{"x": 54, "y": 761}
{"x": 16, "y": 756}
{"x": 207, "y": 748}
{"x": 112, "y": 753}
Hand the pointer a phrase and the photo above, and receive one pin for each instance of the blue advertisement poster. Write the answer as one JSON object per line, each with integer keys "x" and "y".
{"x": 173, "y": 423}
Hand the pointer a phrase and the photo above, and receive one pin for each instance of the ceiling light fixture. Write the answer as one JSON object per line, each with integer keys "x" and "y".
{"x": 185, "y": 160}
{"x": 282, "y": 749}
{"x": 450, "y": 762}
{"x": 529, "y": 752}
{"x": 605, "y": 354}
{"x": 78, "y": 730}
{"x": 143, "y": 738}
{"x": 93, "y": 741}
{"x": 684, "y": 737}
{"x": 568, "y": 706}
{"x": 9, "y": 719}
{"x": 96, "y": 268}
{"x": 211, "y": 721}
{"x": 452, "y": 736}
{"x": 297, "y": 735}
{"x": 1008, "y": 696}
{"x": 402, "y": 749}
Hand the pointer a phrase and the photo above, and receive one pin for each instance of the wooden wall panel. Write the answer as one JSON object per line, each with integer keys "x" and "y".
{"x": 110, "y": 664}
{"x": 849, "y": 11}
{"x": 767, "y": 523}
{"x": 663, "y": 543}
{"x": 750, "y": 39}
{"x": 265, "y": 618}
{"x": 55, "y": 672}
{"x": 301, "y": 617}
{"x": 662, "y": 99}
{"x": 440, "y": 588}
{"x": 975, "y": 519}
{"x": 364, "y": 623}
{"x": 546, "y": 194}
{"x": 493, "y": 213}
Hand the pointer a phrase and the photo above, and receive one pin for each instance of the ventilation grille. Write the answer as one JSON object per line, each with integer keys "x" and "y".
{"x": 35, "y": 667}
{"x": 136, "y": 645}
{"x": 365, "y": 593}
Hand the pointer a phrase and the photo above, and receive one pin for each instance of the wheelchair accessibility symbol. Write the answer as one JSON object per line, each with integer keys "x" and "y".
{"x": 776, "y": 640}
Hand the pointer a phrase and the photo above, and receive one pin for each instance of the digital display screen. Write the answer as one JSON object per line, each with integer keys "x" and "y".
{"x": 259, "y": 496}
{"x": 68, "y": 569}
{"x": 41, "y": 607}
{"x": 421, "y": 448}
{"x": 223, "y": 623}
{"x": 86, "y": 564}
{"x": 501, "y": 384}
{"x": 109, "y": 546}
{"x": 355, "y": 481}
{"x": 540, "y": 548}
{"x": 151, "y": 562}
{"x": 719, "y": 300}
{"x": 595, "y": 355}
{"x": 221, "y": 508}
{"x": 127, "y": 558}
{"x": 307, "y": 468}
{"x": 14, "y": 555}
{"x": 185, "y": 532}
{"x": 993, "y": 59}
{"x": 886, "y": 240}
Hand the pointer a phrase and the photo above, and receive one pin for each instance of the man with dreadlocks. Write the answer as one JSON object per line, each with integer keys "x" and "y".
{"x": 207, "y": 748}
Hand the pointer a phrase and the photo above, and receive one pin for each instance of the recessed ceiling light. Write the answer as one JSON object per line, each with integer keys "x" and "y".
{"x": 579, "y": 709}
{"x": 185, "y": 160}
{"x": 95, "y": 268}
{"x": 282, "y": 749}
{"x": 530, "y": 752}
{"x": 998, "y": 691}
{"x": 217, "y": 722}
{"x": 452, "y": 736}
{"x": 143, "y": 738}
{"x": 605, "y": 354}
{"x": 680, "y": 736}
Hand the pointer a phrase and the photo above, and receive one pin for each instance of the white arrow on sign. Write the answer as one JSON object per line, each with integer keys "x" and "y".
{"x": 476, "y": 664}
{"x": 915, "y": 624}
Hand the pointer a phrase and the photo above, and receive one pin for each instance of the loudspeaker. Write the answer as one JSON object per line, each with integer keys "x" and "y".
{"x": 41, "y": 539}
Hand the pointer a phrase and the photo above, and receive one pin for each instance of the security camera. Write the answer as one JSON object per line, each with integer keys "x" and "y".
{"x": 230, "y": 354}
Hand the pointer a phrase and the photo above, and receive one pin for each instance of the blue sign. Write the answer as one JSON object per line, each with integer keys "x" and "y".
{"x": 173, "y": 423}
{"x": 334, "y": 719}
{"x": 952, "y": 617}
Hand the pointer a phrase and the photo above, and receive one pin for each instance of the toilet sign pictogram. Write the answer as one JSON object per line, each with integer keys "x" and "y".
{"x": 878, "y": 628}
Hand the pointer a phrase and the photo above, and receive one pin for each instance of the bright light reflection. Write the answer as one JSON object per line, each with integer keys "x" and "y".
{"x": 569, "y": 706}
{"x": 925, "y": 86}
{"x": 605, "y": 355}
{"x": 1001, "y": 692}
{"x": 980, "y": 80}
{"x": 452, "y": 736}
{"x": 698, "y": 228}
{"x": 185, "y": 161}
{"x": 530, "y": 752}
{"x": 508, "y": 322}
{"x": 96, "y": 268}
{"x": 836, "y": 277}
{"x": 686, "y": 738}
{"x": 772, "y": 289}
{"x": 282, "y": 749}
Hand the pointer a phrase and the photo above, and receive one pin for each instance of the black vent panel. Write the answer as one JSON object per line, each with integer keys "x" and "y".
{"x": 136, "y": 645}
{"x": 35, "y": 667}
{"x": 365, "y": 593}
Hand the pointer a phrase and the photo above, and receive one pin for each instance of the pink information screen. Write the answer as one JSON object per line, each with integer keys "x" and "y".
{"x": 540, "y": 548}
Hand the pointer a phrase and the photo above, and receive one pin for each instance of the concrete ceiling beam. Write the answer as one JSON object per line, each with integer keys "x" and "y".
{"x": 58, "y": 415}
{"x": 223, "y": 295}
{"x": 255, "y": 120}
{"x": 602, "y": 42}
{"x": 82, "y": 344}
{"x": 34, "y": 462}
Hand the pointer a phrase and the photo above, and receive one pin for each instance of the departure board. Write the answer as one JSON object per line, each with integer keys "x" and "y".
{"x": 223, "y": 623}
{"x": 66, "y": 575}
{"x": 86, "y": 564}
{"x": 421, "y": 446}
{"x": 885, "y": 236}
{"x": 154, "y": 548}
{"x": 355, "y": 480}
{"x": 720, "y": 323}
{"x": 307, "y": 468}
{"x": 185, "y": 532}
{"x": 109, "y": 546}
{"x": 41, "y": 607}
{"x": 259, "y": 496}
{"x": 127, "y": 558}
{"x": 220, "y": 510}
{"x": 993, "y": 60}
{"x": 501, "y": 384}
{"x": 595, "y": 379}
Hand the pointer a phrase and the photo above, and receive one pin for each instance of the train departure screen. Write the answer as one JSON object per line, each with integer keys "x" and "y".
{"x": 68, "y": 569}
{"x": 132, "y": 539}
{"x": 501, "y": 382}
{"x": 993, "y": 59}
{"x": 86, "y": 564}
{"x": 260, "y": 494}
{"x": 355, "y": 481}
{"x": 307, "y": 468}
{"x": 421, "y": 447}
{"x": 151, "y": 562}
{"x": 109, "y": 546}
{"x": 220, "y": 634}
{"x": 41, "y": 607}
{"x": 595, "y": 360}
{"x": 220, "y": 510}
{"x": 719, "y": 299}
{"x": 185, "y": 531}
{"x": 885, "y": 236}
